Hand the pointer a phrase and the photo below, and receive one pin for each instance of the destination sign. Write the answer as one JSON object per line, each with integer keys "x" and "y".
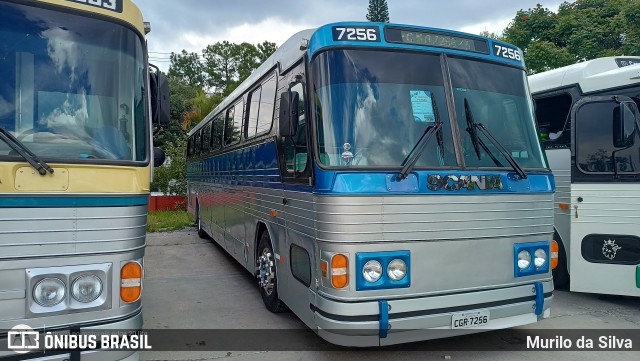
{"x": 436, "y": 39}
{"x": 113, "y": 5}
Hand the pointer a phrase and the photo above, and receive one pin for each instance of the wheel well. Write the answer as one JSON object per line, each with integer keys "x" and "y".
{"x": 260, "y": 229}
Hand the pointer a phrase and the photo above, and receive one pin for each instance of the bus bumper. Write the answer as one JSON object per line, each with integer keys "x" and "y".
{"x": 131, "y": 323}
{"x": 365, "y": 324}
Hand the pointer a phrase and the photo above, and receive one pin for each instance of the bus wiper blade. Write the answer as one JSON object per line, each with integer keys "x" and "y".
{"x": 25, "y": 153}
{"x": 512, "y": 161}
{"x": 410, "y": 161}
{"x": 475, "y": 139}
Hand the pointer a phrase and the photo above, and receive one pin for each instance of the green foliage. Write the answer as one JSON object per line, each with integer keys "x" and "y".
{"x": 378, "y": 11}
{"x": 165, "y": 221}
{"x": 579, "y": 31}
{"x": 222, "y": 66}
{"x": 171, "y": 177}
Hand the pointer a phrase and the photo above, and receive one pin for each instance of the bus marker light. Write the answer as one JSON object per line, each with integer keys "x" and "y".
{"x": 339, "y": 268}
{"x": 131, "y": 282}
{"x": 554, "y": 254}
{"x": 564, "y": 206}
{"x": 273, "y": 213}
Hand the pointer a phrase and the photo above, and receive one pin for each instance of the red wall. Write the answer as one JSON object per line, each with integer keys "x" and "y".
{"x": 167, "y": 203}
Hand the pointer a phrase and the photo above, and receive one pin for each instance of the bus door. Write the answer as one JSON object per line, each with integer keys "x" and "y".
{"x": 605, "y": 198}
{"x": 296, "y": 165}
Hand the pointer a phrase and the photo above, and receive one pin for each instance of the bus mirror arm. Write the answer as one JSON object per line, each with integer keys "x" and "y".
{"x": 288, "y": 114}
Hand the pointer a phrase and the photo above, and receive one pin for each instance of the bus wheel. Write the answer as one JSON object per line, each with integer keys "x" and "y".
{"x": 201, "y": 233}
{"x": 560, "y": 273}
{"x": 267, "y": 277}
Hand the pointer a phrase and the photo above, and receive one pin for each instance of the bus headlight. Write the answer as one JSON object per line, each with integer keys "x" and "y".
{"x": 86, "y": 288}
{"x": 540, "y": 258}
{"x": 397, "y": 269}
{"x": 49, "y": 292}
{"x": 372, "y": 271}
{"x": 524, "y": 260}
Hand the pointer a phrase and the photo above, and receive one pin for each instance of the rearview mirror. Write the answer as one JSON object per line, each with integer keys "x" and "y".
{"x": 288, "y": 115}
{"x": 624, "y": 124}
{"x": 160, "y": 112}
{"x": 159, "y": 157}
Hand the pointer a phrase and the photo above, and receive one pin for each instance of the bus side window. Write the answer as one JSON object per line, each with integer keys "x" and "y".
{"x": 296, "y": 146}
{"x": 553, "y": 117}
{"x": 216, "y": 133}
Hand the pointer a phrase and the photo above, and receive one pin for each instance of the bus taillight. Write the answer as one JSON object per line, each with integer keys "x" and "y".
{"x": 131, "y": 282}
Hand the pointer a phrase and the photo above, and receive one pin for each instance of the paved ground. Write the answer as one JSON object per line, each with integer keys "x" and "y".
{"x": 192, "y": 284}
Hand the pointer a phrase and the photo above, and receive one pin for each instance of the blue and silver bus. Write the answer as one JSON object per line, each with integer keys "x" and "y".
{"x": 382, "y": 181}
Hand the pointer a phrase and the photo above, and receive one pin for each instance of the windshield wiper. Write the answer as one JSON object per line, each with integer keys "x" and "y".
{"x": 25, "y": 153}
{"x": 412, "y": 158}
{"x": 472, "y": 126}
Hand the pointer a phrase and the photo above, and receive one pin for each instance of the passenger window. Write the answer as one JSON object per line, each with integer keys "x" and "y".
{"x": 261, "y": 108}
{"x": 553, "y": 118}
{"x": 296, "y": 146}
{"x": 206, "y": 138}
{"x": 233, "y": 124}
{"x": 216, "y": 131}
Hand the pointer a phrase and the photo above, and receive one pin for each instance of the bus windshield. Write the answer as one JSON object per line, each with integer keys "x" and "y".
{"x": 372, "y": 107}
{"x": 72, "y": 86}
{"x": 497, "y": 97}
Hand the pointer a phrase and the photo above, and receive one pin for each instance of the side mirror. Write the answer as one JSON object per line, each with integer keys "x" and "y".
{"x": 160, "y": 112}
{"x": 158, "y": 157}
{"x": 624, "y": 125}
{"x": 288, "y": 115}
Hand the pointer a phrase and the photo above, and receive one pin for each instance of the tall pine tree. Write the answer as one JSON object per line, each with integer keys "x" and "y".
{"x": 378, "y": 11}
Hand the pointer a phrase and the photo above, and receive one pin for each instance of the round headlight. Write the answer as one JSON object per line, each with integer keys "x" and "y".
{"x": 86, "y": 288}
{"x": 524, "y": 260}
{"x": 372, "y": 271}
{"x": 540, "y": 258}
{"x": 49, "y": 292}
{"x": 397, "y": 269}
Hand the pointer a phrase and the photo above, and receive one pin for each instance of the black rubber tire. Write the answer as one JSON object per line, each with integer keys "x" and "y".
{"x": 270, "y": 297}
{"x": 561, "y": 273}
{"x": 201, "y": 232}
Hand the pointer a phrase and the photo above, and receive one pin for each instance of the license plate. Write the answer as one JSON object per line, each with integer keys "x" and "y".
{"x": 469, "y": 319}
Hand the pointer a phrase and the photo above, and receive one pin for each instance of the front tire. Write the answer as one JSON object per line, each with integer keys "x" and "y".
{"x": 267, "y": 275}
{"x": 561, "y": 272}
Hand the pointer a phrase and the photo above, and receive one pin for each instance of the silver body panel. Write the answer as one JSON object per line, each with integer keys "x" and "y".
{"x": 63, "y": 241}
{"x": 436, "y": 229}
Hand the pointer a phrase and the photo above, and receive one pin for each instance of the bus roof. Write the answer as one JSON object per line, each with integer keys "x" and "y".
{"x": 313, "y": 41}
{"x": 590, "y": 76}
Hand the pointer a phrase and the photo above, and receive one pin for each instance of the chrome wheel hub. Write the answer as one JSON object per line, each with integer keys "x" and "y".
{"x": 266, "y": 268}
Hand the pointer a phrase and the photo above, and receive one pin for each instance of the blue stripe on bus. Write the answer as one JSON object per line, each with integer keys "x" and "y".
{"x": 323, "y": 38}
{"x": 72, "y": 201}
{"x": 257, "y": 166}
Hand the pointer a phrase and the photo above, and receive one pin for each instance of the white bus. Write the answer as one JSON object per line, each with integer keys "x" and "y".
{"x": 587, "y": 114}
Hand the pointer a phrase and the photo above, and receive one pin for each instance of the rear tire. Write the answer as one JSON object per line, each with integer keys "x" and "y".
{"x": 560, "y": 273}
{"x": 267, "y": 275}
{"x": 201, "y": 232}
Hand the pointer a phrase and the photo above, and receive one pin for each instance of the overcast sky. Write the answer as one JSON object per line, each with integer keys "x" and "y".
{"x": 194, "y": 24}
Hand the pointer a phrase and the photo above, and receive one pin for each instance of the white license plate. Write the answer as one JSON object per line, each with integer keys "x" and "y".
{"x": 469, "y": 319}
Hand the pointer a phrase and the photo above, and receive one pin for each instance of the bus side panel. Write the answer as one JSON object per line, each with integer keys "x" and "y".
{"x": 300, "y": 271}
{"x": 560, "y": 164}
{"x": 606, "y": 210}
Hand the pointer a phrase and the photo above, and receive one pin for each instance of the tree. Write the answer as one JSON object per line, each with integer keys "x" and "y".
{"x": 187, "y": 67}
{"x": 265, "y": 50}
{"x": 378, "y": 11}
{"x": 579, "y": 31}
